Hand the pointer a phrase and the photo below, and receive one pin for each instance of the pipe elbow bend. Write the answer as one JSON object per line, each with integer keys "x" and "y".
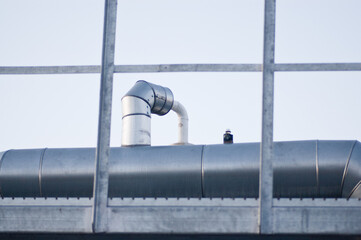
{"x": 159, "y": 99}
{"x": 138, "y": 104}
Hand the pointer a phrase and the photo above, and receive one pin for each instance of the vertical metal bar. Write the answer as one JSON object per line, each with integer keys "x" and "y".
{"x": 101, "y": 175}
{"x": 266, "y": 171}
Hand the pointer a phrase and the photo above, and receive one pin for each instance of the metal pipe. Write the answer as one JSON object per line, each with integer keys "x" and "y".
{"x": 138, "y": 103}
{"x": 182, "y": 122}
{"x": 224, "y": 170}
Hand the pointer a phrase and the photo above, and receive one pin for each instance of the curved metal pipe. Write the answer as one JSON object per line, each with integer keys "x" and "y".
{"x": 301, "y": 169}
{"x": 182, "y": 123}
{"x": 140, "y": 101}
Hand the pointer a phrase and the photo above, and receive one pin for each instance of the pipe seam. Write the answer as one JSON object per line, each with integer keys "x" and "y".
{"x": 346, "y": 166}
{"x": 317, "y": 170}
{"x": 41, "y": 170}
{"x": 136, "y": 96}
{"x": 354, "y": 189}
{"x": 136, "y": 114}
{"x": 202, "y": 171}
{"x": 1, "y": 161}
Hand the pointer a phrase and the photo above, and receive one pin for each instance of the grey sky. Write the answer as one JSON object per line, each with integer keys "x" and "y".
{"x": 61, "y": 110}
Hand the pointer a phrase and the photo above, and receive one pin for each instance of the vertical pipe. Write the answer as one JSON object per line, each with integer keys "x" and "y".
{"x": 266, "y": 172}
{"x": 101, "y": 175}
{"x": 182, "y": 122}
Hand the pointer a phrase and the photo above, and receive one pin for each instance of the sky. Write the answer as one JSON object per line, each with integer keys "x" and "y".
{"x": 38, "y": 111}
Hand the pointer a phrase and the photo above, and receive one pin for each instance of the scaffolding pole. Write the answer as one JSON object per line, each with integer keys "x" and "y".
{"x": 101, "y": 175}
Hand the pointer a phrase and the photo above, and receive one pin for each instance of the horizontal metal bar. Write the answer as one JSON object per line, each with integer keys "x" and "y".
{"x": 50, "y": 70}
{"x": 194, "y": 202}
{"x": 134, "y": 68}
{"x": 46, "y": 202}
{"x": 189, "y": 68}
{"x": 316, "y": 220}
{"x": 172, "y": 215}
{"x": 317, "y": 67}
{"x": 60, "y": 219}
{"x": 317, "y": 202}
{"x": 280, "y": 67}
{"x": 180, "y": 219}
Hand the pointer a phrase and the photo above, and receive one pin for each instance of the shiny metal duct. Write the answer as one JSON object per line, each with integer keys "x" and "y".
{"x": 139, "y": 102}
{"x": 301, "y": 169}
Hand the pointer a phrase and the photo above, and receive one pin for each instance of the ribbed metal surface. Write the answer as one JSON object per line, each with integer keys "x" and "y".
{"x": 231, "y": 170}
{"x": 68, "y": 172}
{"x": 295, "y": 172}
{"x": 301, "y": 169}
{"x": 172, "y": 171}
{"x": 352, "y": 171}
{"x": 330, "y": 165}
{"x": 19, "y": 173}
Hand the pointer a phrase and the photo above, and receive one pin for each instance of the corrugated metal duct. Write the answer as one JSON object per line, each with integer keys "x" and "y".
{"x": 301, "y": 169}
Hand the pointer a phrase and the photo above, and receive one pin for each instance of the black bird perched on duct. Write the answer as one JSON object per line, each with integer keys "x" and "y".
{"x": 227, "y": 137}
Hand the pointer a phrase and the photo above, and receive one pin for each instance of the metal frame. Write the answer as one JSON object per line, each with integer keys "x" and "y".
{"x": 276, "y": 67}
{"x": 181, "y": 216}
{"x": 265, "y": 215}
{"x": 101, "y": 174}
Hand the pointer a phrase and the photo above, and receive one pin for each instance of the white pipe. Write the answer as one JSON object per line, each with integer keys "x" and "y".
{"x": 182, "y": 123}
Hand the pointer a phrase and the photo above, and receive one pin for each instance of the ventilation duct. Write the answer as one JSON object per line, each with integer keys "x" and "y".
{"x": 306, "y": 169}
{"x": 140, "y": 101}
{"x": 301, "y": 169}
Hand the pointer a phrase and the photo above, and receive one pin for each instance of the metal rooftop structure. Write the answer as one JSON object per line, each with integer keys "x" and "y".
{"x": 222, "y": 217}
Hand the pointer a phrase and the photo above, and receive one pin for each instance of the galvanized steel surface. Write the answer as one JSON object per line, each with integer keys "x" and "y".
{"x": 181, "y": 215}
{"x": 101, "y": 172}
{"x": 134, "y": 68}
{"x": 266, "y": 159}
{"x": 301, "y": 169}
{"x": 279, "y": 67}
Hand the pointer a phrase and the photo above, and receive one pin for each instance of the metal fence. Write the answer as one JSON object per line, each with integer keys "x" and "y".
{"x": 272, "y": 216}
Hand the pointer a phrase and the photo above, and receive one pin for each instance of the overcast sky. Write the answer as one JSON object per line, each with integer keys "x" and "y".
{"x": 39, "y": 111}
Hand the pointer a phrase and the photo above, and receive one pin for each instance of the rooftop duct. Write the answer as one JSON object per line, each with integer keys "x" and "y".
{"x": 139, "y": 102}
{"x": 306, "y": 169}
{"x": 301, "y": 169}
